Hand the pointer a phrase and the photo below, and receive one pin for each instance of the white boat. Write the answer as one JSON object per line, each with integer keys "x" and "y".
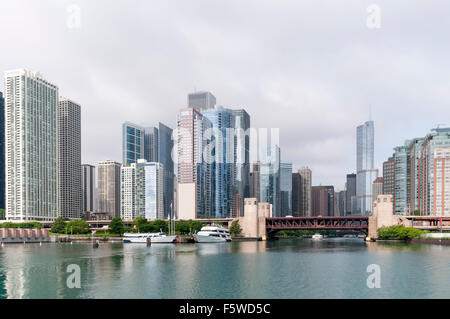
{"x": 212, "y": 234}
{"x": 317, "y": 237}
{"x": 155, "y": 238}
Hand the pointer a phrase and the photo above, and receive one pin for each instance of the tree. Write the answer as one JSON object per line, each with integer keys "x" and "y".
{"x": 77, "y": 226}
{"x": 140, "y": 224}
{"x": 159, "y": 225}
{"x": 59, "y": 226}
{"x": 398, "y": 232}
{"x": 235, "y": 228}
{"x": 2, "y": 214}
{"x": 116, "y": 226}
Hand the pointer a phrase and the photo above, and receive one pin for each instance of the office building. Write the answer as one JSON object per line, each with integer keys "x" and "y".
{"x": 341, "y": 200}
{"x": 165, "y": 147}
{"x": 323, "y": 201}
{"x": 285, "y": 189}
{"x": 109, "y": 188}
{"x": 202, "y": 100}
{"x": 133, "y": 138}
{"x": 270, "y": 177}
{"x": 350, "y": 200}
{"x": 365, "y": 170}
{"x": 377, "y": 188}
{"x": 69, "y": 159}
{"x": 88, "y": 188}
{"x": 389, "y": 176}
{"x": 241, "y": 159}
{"x": 254, "y": 181}
{"x": 305, "y": 191}
{"x": 31, "y": 141}
{"x": 194, "y": 173}
{"x": 151, "y": 144}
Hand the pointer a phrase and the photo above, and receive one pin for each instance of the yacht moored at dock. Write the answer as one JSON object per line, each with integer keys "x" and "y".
{"x": 212, "y": 234}
{"x": 155, "y": 238}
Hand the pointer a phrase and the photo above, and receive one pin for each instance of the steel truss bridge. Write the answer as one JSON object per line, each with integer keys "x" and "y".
{"x": 356, "y": 223}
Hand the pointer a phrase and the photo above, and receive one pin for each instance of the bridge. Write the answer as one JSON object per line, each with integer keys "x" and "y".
{"x": 356, "y": 223}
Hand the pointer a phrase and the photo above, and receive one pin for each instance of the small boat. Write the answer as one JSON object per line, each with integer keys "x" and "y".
{"x": 212, "y": 234}
{"x": 155, "y": 238}
{"x": 317, "y": 237}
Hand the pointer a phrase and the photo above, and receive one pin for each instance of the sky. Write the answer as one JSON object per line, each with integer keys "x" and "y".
{"x": 313, "y": 69}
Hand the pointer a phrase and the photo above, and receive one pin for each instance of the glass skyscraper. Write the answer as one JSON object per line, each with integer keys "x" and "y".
{"x": 365, "y": 171}
{"x": 241, "y": 159}
{"x": 201, "y": 100}
{"x": 270, "y": 177}
{"x": 285, "y": 189}
{"x": 222, "y": 120}
{"x": 133, "y": 138}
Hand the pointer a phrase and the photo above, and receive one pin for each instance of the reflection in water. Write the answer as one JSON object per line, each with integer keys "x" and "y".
{"x": 290, "y": 268}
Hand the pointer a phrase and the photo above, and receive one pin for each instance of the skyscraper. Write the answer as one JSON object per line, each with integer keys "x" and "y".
{"x": 194, "y": 195}
{"x": 151, "y": 144}
{"x": 142, "y": 190}
{"x": 31, "y": 107}
{"x": 133, "y": 138}
{"x": 88, "y": 188}
{"x": 323, "y": 201}
{"x": 350, "y": 200}
{"x": 201, "y": 100}
{"x": 165, "y": 146}
{"x": 305, "y": 197}
{"x": 69, "y": 158}
{"x": 254, "y": 181}
{"x": 341, "y": 198}
{"x": 365, "y": 171}
{"x": 377, "y": 188}
{"x": 285, "y": 189}
{"x": 2, "y": 151}
{"x": 223, "y": 165}
{"x": 389, "y": 176}
{"x": 270, "y": 177}
{"x": 241, "y": 159}
{"x": 109, "y": 188}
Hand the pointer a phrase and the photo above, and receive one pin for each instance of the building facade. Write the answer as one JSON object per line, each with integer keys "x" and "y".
{"x": 88, "y": 188}
{"x": 241, "y": 159}
{"x": 365, "y": 170}
{"x": 202, "y": 100}
{"x": 254, "y": 181}
{"x": 305, "y": 191}
{"x": 223, "y": 161}
{"x": 389, "y": 176}
{"x": 269, "y": 190}
{"x": 69, "y": 158}
{"x": 141, "y": 192}
{"x": 323, "y": 201}
{"x": 350, "y": 200}
{"x": 194, "y": 173}
{"x": 133, "y": 139}
{"x": 31, "y": 142}
{"x": 109, "y": 188}
{"x": 285, "y": 189}
{"x": 377, "y": 188}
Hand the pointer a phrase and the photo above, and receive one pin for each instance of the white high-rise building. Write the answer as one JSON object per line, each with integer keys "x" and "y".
{"x": 31, "y": 142}
{"x": 69, "y": 159}
{"x": 142, "y": 190}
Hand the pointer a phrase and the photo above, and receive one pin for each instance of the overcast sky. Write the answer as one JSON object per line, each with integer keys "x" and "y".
{"x": 310, "y": 68}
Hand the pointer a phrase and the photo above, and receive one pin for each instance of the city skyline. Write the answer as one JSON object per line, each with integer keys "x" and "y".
{"x": 314, "y": 89}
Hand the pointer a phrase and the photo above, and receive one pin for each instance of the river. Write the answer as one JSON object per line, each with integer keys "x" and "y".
{"x": 288, "y": 268}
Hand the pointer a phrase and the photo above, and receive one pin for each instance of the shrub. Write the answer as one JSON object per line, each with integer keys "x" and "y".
{"x": 398, "y": 232}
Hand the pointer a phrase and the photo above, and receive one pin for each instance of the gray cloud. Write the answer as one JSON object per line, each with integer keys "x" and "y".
{"x": 310, "y": 68}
